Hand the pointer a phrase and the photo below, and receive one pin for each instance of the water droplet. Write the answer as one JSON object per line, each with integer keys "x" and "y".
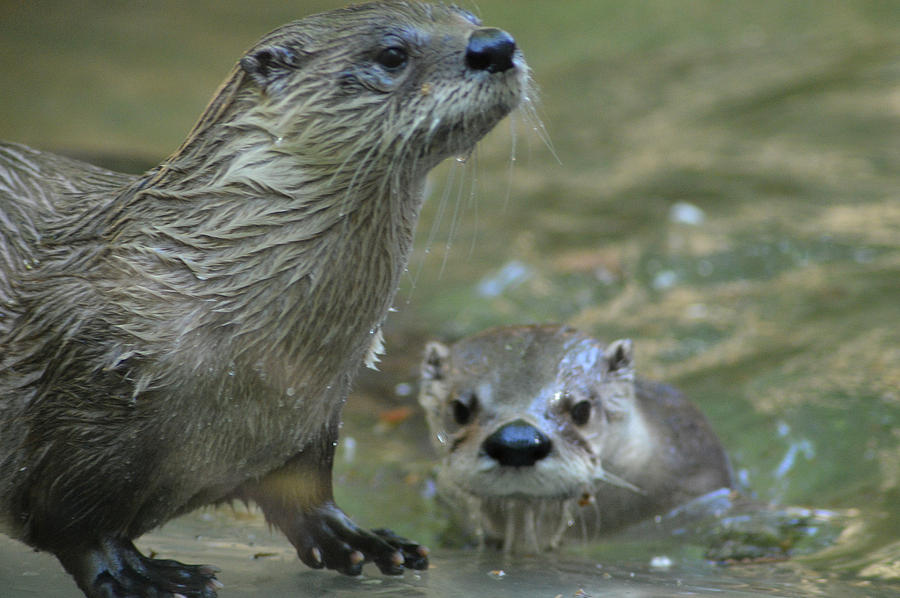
{"x": 665, "y": 279}
{"x": 686, "y": 213}
{"x": 349, "y": 449}
{"x": 464, "y": 157}
{"x": 661, "y": 562}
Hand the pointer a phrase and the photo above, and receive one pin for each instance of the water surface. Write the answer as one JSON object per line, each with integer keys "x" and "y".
{"x": 722, "y": 187}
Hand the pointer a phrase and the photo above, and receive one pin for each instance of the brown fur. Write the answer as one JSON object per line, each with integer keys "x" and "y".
{"x": 189, "y": 336}
{"x": 631, "y": 450}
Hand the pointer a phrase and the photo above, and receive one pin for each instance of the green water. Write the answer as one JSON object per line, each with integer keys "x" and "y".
{"x": 721, "y": 187}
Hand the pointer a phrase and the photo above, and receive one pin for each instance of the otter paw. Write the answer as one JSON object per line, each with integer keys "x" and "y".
{"x": 415, "y": 556}
{"x": 328, "y": 538}
{"x": 116, "y": 569}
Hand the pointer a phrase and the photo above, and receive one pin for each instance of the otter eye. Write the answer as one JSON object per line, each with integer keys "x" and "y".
{"x": 580, "y": 412}
{"x": 463, "y": 408}
{"x": 392, "y": 58}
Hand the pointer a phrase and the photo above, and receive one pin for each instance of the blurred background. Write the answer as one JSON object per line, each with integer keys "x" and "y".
{"x": 716, "y": 180}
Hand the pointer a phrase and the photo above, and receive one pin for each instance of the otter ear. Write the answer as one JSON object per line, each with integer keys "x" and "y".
{"x": 434, "y": 365}
{"x": 268, "y": 65}
{"x": 620, "y": 357}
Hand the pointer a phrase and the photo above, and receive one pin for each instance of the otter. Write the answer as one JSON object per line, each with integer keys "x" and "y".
{"x": 188, "y": 337}
{"x": 541, "y": 427}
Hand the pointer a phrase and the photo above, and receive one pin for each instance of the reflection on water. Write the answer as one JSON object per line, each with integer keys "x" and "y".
{"x": 257, "y": 563}
{"x": 727, "y": 197}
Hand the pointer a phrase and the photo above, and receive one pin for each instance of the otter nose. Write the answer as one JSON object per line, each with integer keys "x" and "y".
{"x": 517, "y": 444}
{"x": 490, "y": 50}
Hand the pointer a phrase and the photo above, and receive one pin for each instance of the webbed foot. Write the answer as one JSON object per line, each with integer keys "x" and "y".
{"x": 116, "y": 569}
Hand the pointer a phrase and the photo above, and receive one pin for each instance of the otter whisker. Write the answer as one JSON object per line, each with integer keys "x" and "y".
{"x": 564, "y": 522}
{"x": 447, "y": 188}
{"x": 510, "y": 531}
{"x": 530, "y": 527}
{"x": 454, "y": 221}
{"x": 601, "y": 475}
{"x": 530, "y": 113}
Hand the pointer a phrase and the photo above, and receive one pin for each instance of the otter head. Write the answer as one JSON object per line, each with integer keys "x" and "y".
{"x": 525, "y": 411}
{"x": 363, "y": 94}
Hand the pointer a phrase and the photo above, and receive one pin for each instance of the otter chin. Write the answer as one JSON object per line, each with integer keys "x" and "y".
{"x": 188, "y": 337}
{"x": 545, "y": 432}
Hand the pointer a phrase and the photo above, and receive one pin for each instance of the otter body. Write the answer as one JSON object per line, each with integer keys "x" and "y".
{"x": 543, "y": 426}
{"x": 189, "y": 336}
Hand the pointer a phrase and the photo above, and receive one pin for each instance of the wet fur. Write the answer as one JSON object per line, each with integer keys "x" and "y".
{"x": 644, "y": 450}
{"x": 189, "y": 336}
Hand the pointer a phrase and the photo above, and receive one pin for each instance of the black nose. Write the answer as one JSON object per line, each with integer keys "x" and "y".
{"x": 517, "y": 444}
{"x": 490, "y": 50}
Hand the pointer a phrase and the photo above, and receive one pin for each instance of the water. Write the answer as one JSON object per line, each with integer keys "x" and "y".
{"x": 725, "y": 195}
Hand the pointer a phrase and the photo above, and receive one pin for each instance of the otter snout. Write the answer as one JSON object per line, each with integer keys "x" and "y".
{"x": 517, "y": 444}
{"x": 490, "y": 50}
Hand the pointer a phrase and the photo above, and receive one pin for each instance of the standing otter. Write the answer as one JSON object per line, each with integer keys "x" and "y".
{"x": 540, "y": 426}
{"x": 189, "y": 336}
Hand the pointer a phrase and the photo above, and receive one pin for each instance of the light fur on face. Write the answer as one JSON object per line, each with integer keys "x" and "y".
{"x": 501, "y": 377}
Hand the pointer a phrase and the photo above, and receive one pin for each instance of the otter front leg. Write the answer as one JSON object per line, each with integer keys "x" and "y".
{"x": 297, "y": 498}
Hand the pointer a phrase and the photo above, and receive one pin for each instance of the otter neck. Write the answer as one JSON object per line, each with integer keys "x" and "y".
{"x": 277, "y": 261}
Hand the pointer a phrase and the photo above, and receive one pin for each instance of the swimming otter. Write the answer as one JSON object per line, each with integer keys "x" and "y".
{"x": 542, "y": 426}
{"x": 188, "y": 336}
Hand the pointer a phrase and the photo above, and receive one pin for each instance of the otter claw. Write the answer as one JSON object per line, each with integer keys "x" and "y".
{"x": 328, "y": 538}
{"x": 316, "y": 556}
{"x": 414, "y": 556}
